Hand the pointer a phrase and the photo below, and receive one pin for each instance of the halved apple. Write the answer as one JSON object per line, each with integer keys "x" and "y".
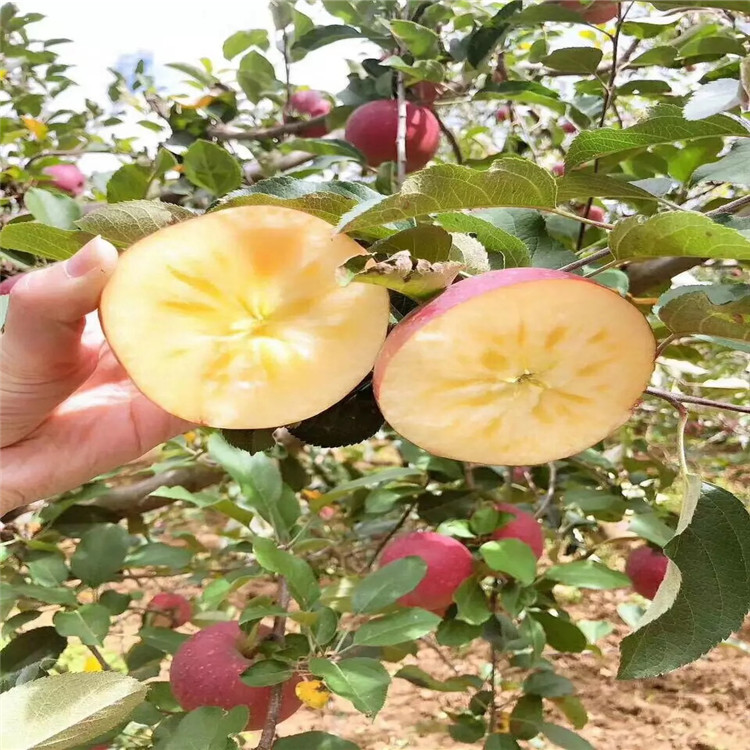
{"x": 235, "y": 319}
{"x": 515, "y": 367}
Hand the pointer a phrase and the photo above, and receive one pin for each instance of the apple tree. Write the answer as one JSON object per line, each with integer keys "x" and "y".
{"x": 436, "y": 334}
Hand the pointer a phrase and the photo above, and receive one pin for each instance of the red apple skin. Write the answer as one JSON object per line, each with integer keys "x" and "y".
{"x": 599, "y": 11}
{"x": 311, "y": 103}
{"x": 646, "y": 568}
{"x": 596, "y": 213}
{"x": 426, "y": 92}
{"x": 457, "y": 294}
{"x": 524, "y": 528}
{"x": 67, "y": 177}
{"x": 175, "y": 606}
{"x": 502, "y": 114}
{"x": 205, "y": 672}
{"x": 372, "y": 128}
{"x": 568, "y": 127}
{"x": 449, "y": 564}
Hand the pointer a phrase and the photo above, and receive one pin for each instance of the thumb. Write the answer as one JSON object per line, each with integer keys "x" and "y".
{"x": 42, "y": 360}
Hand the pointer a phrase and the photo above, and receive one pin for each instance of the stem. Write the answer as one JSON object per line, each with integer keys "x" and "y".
{"x": 603, "y": 253}
{"x": 583, "y": 219}
{"x": 387, "y": 538}
{"x": 448, "y": 133}
{"x": 287, "y": 69}
{"x": 401, "y": 130}
{"x": 493, "y": 664}
{"x": 448, "y": 663}
{"x": 98, "y": 656}
{"x": 274, "y": 708}
{"x": 664, "y": 344}
{"x": 731, "y": 208}
{"x": 678, "y": 399}
{"x": 229, "y": 133}
{"x": 550, "y": 494}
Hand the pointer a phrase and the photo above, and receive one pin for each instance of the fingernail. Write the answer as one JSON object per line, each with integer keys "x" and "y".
{"x": 7, "y": 284}
{"x": 85, "y": 260}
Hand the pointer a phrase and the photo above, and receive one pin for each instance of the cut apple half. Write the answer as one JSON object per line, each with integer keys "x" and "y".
{"x": 235, "y": 319}
{"x": 515, "y": 367}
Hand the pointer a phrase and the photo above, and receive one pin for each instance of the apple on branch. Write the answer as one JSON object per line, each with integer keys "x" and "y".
{"x": 308, "y": 103}
{"x": 593, "y": 11}
{"x": 523, "y": 527}
{"x": 66, "y": 177}
{"x": 373, "y": 128}
{"x": 515, "y": 367}
{"x": 646, "y": 568}
{"x": 235, "y": 319}
{"x": 449, "y": 564}
{"x": 169, "y": 610}
{"x": 206, "y": 671}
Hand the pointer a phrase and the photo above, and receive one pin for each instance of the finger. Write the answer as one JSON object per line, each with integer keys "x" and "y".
{"x": 42, "y": 359}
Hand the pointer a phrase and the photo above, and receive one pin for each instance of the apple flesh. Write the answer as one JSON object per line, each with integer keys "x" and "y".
{"x": 173, "y": 609}
{"x": 515, "y": 367}
{"x": 373, "y": 127}
{"x": 449, "y": 564}
{"x": 66, "y": 177}
{"x": 206, "y": 671}
{"x": 310, "y": 104}
{"x": 646, "y": 568}
{"x": 598, "y": 11}
{"x": 235, "y": 319}
{"x": 523, "y": 527}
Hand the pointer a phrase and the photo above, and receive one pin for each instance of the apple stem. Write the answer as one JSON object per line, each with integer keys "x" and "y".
{"x": 98, "y": 656}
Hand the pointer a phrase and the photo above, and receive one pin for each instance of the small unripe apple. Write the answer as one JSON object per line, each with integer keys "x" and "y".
{"x": 524, "y": 528}
{"x": 646, "y": 568}
{"x": 67, "y": 177}
{"x": 426, "y": 92}
{"x": 449, "y": 564}
{"x": 503, "y": 113}
{"x": 174, "y": 609}
{"x": 313, "y": 104}
{"x": 558, "y": 170}
{"x": 373, "y": 128}
{"x": 595, "y": 213}
{"x": 206, "y": 671}
{"x": 599, "y": 11}
{"x": 568, "y": 127}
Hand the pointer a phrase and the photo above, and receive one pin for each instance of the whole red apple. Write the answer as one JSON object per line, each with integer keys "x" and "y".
{"x": 596, "y": 213}
{"x": 598, "y": 11}
{"x": 646, "y": 568}
{"x": 206, "y": 671}
{"x": 568, "y": 127}
{"x": 313, "y": 104}
{"x": 524, "y": 527}
{"x": 373, "y": 127}
{"x": 502, "y": 114}
{"x": 449, "y": 564}
{"x": 426, "y": 92}
{"x": 172, "y": 606}
{"x": 66, "y": 177}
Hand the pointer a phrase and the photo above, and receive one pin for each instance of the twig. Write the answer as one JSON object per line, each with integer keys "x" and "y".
{"x": 678, "y": 399}
{"x": 730, "y": 208}
{"x": 401, "y": 130}
{"x": 603, "y": 253}
{"x": 387, "y": 538}
{"x": 230, "y": 133}
{"x": 664, "y": 344}
{"x": 549, "y": 495}
{"x": 448, "y": 663}
{"x": 287, "y": 70}
{"x": 254, "y": 170}
{"x": 493, "y": 664}
{"x": 274, "y": 707}
{"x": 448, "y": 133}
{"x": 98, "y": 656}
{"x": 582, "y": 219}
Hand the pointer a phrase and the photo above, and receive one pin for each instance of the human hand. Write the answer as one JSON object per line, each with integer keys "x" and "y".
{"x": 68, "y": 410}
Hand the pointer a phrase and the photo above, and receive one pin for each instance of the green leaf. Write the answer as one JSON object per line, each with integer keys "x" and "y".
{"x": 664, "y": 125}
{"x": 362, "y": 681}
{"x": 242, "y": 40}
{"x": 47, "y": 568}
{"x": 314, "y": 741}
{"x": 677, "y": 233}
{"x": 705, "y": 594}
{"x": 482, "y": 41}
{"x": 115, "y": 602}
{"x": 52, "y": 209}
{"x": 299, "y": 575}
{"x": 325, "y": 147}
{"x": 580, "y": 185}
{"x": 650, "y": 527}
{"x": 538, "y": 14}
{"x": 205, "y": 728}
{"x": 561, "y": 634}
{"x": 125, "y": 223}
{"x": 164, "y": 161}
{"x": 731, "y": 167}
{"x": 525, "y": 92}
{"x": 48, "y": 595}
{"x": 425, "y": 241}
{"x": 526, "y": 717}
{"x": 595, "y": 630}
{"x": 212, "y": 167}
{"x": 457, "y": 633}
{"x": 501, "y": 741}
{"x": 564, "y": 738}
{"x": 197, "y": 74}
{"x": 256, "y": 76}
{"x": 713, "y": 98}
{"x": 158, "y": 554}
{"x": 258, "y": 608}
{"x": 32, "y": 650}
{"x": 163, "y": 639}
{"x": 496, "y": 241}
{"x": 510, "y": 181}
{"x": 376, "y": 478}
{"x": 547, "y": 684}
{"x": 405, "y": 625}
{"x": 573, "y": 710}
{"x": 320, "y": 36}
{"x": 420, "y": 678}
{"x": 385, "y": 586}
{"x": 100, "y": 554}
{"x": 587, "y": 574}
{"x": 251, "y": 441}
{"x": 67, "y": 710}
{"x": 580, "y": 60}
{"x": 471, "y": 602}
{"x": 128, "y": 183}
{"x": 511, "y": 556}
{"x": 89, "y": 623}
{"x": 41, "y": 240}
{"x": 419, "y": 40}
{"x": 712, "y": 309}
{"x": 267, "y": 672}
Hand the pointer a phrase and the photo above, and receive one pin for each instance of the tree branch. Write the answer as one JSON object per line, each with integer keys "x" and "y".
{"x": 551, "y": 487}
{"x": 254, "y": 170}
{"x": 598, "y": 255}
{"x": 730, "y": 208}
{"x": 232, "y": 133}
{"x": 448, "y": 133}
{"x": 390, "y": 535}
{"x": 677, "y": 399}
